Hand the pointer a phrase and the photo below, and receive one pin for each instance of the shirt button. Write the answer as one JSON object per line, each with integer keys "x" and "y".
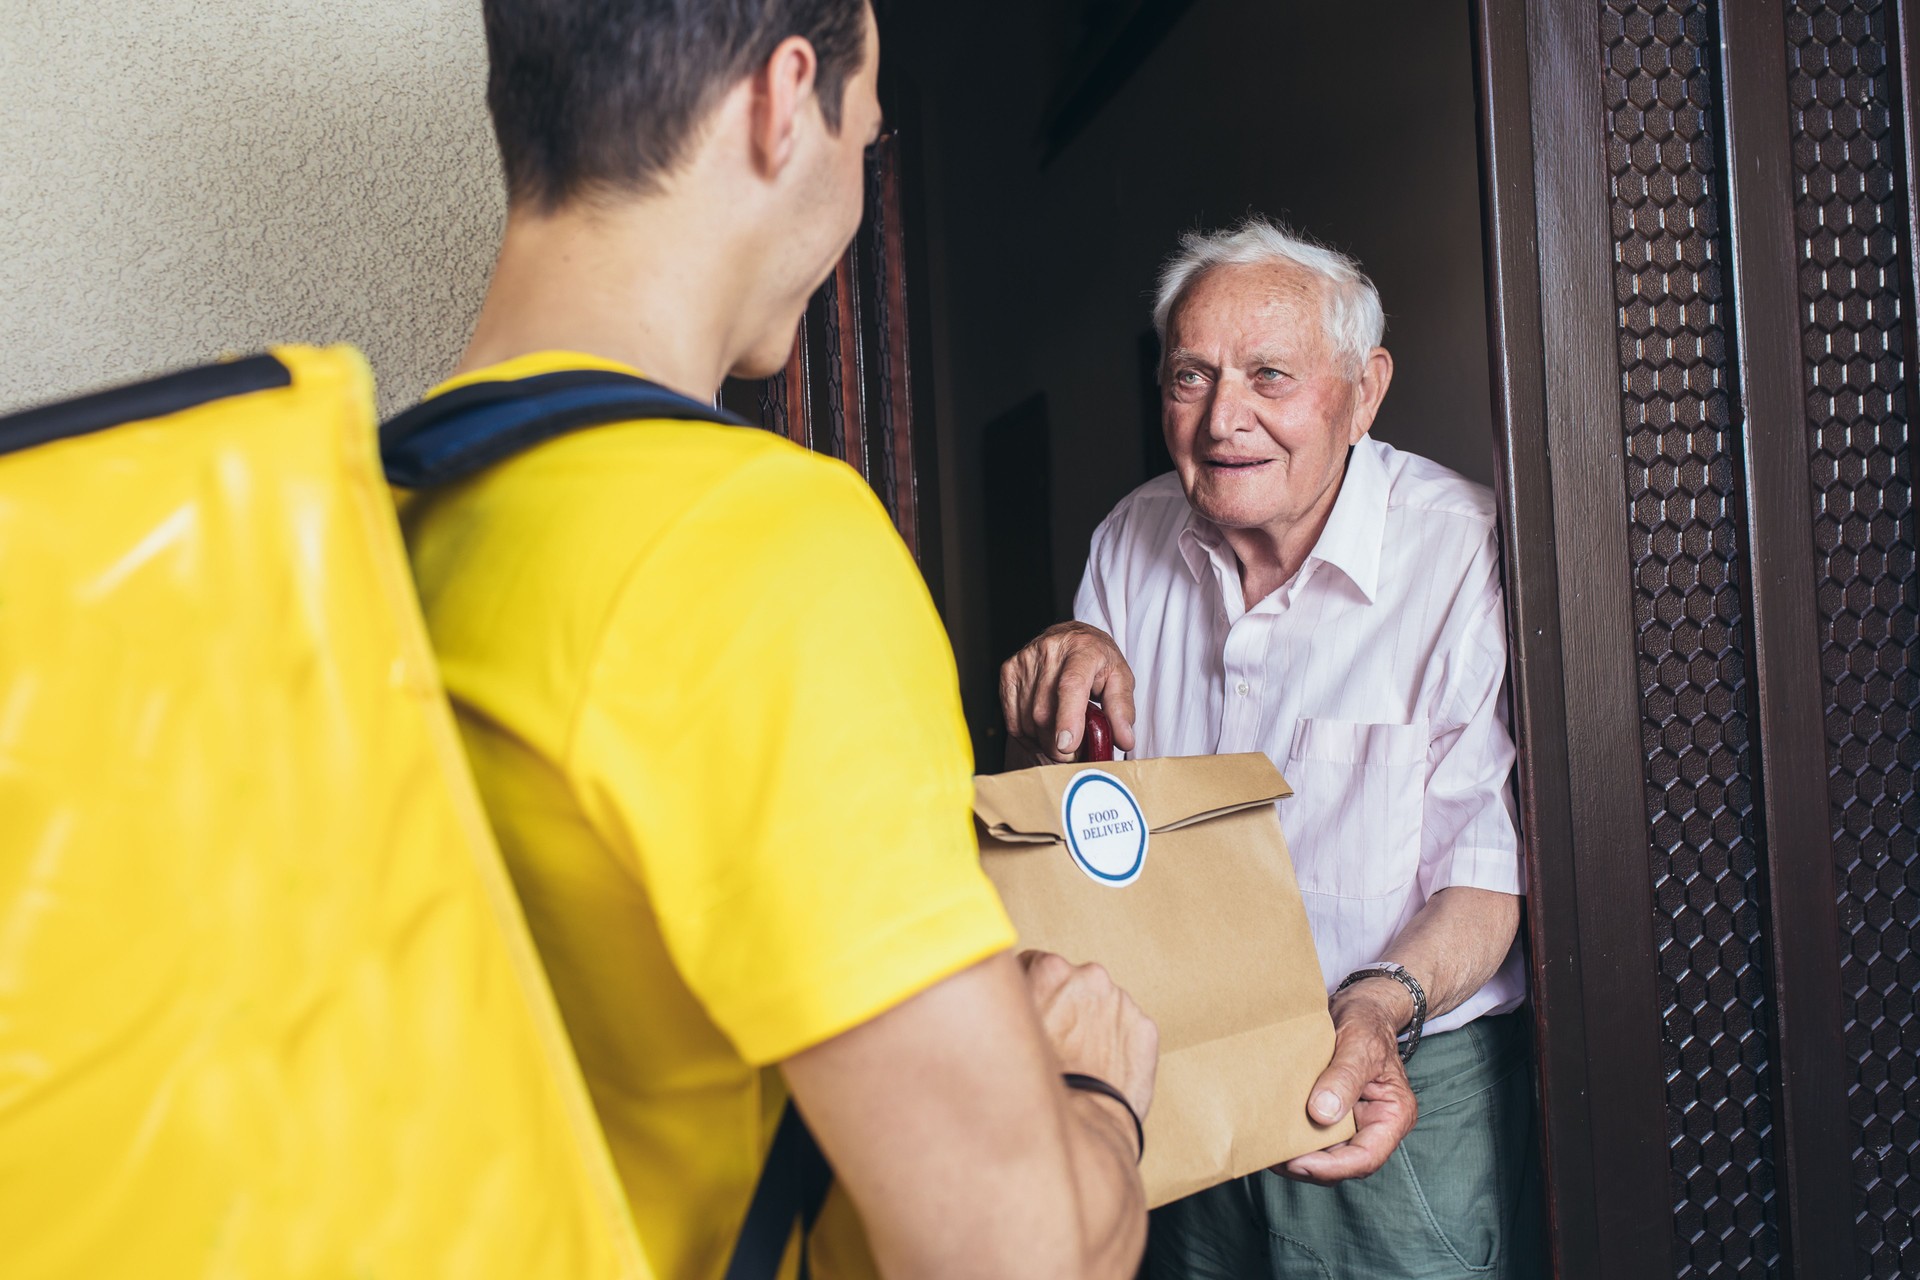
{"x": 1242, "y": 688}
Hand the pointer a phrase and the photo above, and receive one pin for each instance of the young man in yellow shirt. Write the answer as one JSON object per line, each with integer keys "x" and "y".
{"x": 709, "y": 703}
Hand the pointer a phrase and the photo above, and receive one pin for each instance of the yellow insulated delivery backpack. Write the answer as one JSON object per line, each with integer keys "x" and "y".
{"x": 267, "y": 1005}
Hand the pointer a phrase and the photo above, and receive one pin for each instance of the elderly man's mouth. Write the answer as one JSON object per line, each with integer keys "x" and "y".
{"x": 1237, "y": 464}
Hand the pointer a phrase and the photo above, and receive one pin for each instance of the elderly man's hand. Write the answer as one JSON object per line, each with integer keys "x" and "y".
{"x": 1044, "y": 690}
{"x": 1365, "y": 1075}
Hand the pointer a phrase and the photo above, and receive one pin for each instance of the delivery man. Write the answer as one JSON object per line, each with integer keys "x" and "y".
{"x": 710, "y": 705}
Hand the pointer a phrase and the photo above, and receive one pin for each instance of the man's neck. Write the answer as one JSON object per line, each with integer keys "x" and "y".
{"x": 1271, "y": 555}
{"x": 642, "y": 283}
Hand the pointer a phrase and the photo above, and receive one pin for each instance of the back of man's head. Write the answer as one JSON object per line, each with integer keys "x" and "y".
{"x": 605, "y": 97}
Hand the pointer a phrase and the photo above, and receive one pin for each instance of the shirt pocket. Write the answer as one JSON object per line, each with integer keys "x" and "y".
{"x": 1353, "y": 823}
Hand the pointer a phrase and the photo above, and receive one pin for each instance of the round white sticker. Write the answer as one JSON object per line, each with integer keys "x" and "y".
{"x": 1106, "y": 832}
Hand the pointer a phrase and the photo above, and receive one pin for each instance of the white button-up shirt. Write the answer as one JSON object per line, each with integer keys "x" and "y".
{"x": 1374, "y": 679}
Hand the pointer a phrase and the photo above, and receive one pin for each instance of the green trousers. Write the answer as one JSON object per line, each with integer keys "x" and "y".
{"x": 1459, "y": 1198}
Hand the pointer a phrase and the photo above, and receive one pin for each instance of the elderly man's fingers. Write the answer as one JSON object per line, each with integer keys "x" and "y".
{"x": 1363, "y": 1154}
{"x": 1385, "y": 1114}
{"x": 1078, "y": 676}
{"x": 1026, "y": 681}
{"x": 1360, "y": 1049}
{"x": 1116, "y": 699}
{"x": 1047, "y": 656}
{"x": 1015, "y": 703}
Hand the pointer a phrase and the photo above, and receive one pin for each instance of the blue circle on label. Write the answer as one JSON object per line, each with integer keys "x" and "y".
{"x": 1092, "y": 778}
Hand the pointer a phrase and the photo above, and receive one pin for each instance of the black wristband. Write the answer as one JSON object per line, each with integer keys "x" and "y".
{"x": 1094, "y": 1084}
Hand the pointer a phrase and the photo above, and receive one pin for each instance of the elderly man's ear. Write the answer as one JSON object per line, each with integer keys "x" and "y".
{"x": 1376, "y": 373}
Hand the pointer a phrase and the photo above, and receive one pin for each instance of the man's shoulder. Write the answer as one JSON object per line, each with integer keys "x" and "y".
{"x": 787, "y": 500}
{"x": 707, "y": 447}
{"x": 1422, "y": 490}
{"x": 1141, "y": 535}
{"x": 619, "y": 489}
{"x": 1442, "y": 529}
{"x": 702, "y": 521}
{"x": 1164, "y": 487}
{"x": 752, "y": 525}
{"x": 1152, "y": 508}
{"x": 660, "y": 474}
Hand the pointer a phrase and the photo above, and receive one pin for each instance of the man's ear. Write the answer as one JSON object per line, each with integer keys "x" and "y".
{"x": 1376, "y": 374}
{"x": 782, "y": 90}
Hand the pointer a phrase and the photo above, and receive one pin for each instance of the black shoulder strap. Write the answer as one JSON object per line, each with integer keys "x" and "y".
{"x": 792, "y": 1188}
{"x": 452, "y": 436}
{"x": 154, "y": 398}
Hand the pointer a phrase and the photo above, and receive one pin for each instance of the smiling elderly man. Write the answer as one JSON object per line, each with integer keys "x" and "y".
{"x": 1298, "y": 588}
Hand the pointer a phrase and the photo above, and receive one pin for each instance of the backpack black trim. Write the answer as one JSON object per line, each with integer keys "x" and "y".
{"x": 139, "y": 401}
{"x": 456, "y": 435}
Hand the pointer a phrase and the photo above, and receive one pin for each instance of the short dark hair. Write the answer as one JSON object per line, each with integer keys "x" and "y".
{"x": 593, "y": 96}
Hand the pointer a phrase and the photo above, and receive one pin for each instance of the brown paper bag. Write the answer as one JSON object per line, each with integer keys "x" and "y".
{"x": 1201, "y": 921}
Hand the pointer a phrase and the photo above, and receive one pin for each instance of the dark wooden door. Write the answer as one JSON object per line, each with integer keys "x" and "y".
{"x": 1699, "y": 221}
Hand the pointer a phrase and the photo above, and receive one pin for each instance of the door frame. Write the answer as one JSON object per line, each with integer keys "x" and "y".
{"x": 1558, "y": 479}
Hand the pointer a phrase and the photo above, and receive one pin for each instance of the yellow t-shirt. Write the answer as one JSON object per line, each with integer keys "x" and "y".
{"x": 716, "y": 724}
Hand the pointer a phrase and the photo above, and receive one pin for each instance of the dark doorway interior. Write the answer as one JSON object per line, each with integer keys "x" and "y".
{"x": 1017, "y": 532}
{"x": 1066, "y": 144}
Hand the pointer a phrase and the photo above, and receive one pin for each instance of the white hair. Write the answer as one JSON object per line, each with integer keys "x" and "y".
{"x": 1350, "y": 305}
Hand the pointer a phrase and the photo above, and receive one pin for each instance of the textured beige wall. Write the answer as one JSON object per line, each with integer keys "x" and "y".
{"x": 185, "y": 178}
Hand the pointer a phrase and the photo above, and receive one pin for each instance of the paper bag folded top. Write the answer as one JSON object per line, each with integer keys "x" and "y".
{"x": 1178, "y": 881}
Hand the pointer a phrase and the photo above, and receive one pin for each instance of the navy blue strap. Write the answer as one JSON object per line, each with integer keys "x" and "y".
{"x": 792, "y": 1188}
{"x": 455, "y": 435}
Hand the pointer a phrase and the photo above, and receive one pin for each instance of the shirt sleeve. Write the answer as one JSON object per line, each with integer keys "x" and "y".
{"x": 1469, "y": 834}
{"x": 772, "y": 737}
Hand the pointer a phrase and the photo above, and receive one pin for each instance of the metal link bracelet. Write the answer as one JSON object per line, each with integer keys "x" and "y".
{"x": 1409, "y": 1040}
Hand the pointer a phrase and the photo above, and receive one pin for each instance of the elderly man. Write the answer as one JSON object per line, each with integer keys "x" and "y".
{"x": 1300, "y": 589}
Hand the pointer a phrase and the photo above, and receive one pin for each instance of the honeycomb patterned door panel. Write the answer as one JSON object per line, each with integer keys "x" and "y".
{"x": 1686, "y": 531}
{"x": 1855, "y": 284}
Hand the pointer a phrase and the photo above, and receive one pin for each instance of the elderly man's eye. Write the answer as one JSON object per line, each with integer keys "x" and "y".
{"x": 1188, "y": 377}
{"x": 1269, "y": 375}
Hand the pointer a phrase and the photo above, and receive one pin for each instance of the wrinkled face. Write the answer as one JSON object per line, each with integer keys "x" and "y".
{"x": 828, "y": 198}
{"x": 1258, "y": 410}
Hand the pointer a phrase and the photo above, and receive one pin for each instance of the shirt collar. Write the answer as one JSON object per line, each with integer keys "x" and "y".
{"x": 1351, "y": 542}
{"x": 1358, "y": 523}
{"x": 1199, "y": 539}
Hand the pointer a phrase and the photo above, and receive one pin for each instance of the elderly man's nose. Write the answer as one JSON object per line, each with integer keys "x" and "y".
{"x": 1223, "y": 413}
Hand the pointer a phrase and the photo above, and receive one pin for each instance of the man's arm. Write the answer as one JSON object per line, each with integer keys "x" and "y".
{"x": 1469, "y": 864}
{"x": 946, "y": 1120}
{"x": 1452, "y": 948}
